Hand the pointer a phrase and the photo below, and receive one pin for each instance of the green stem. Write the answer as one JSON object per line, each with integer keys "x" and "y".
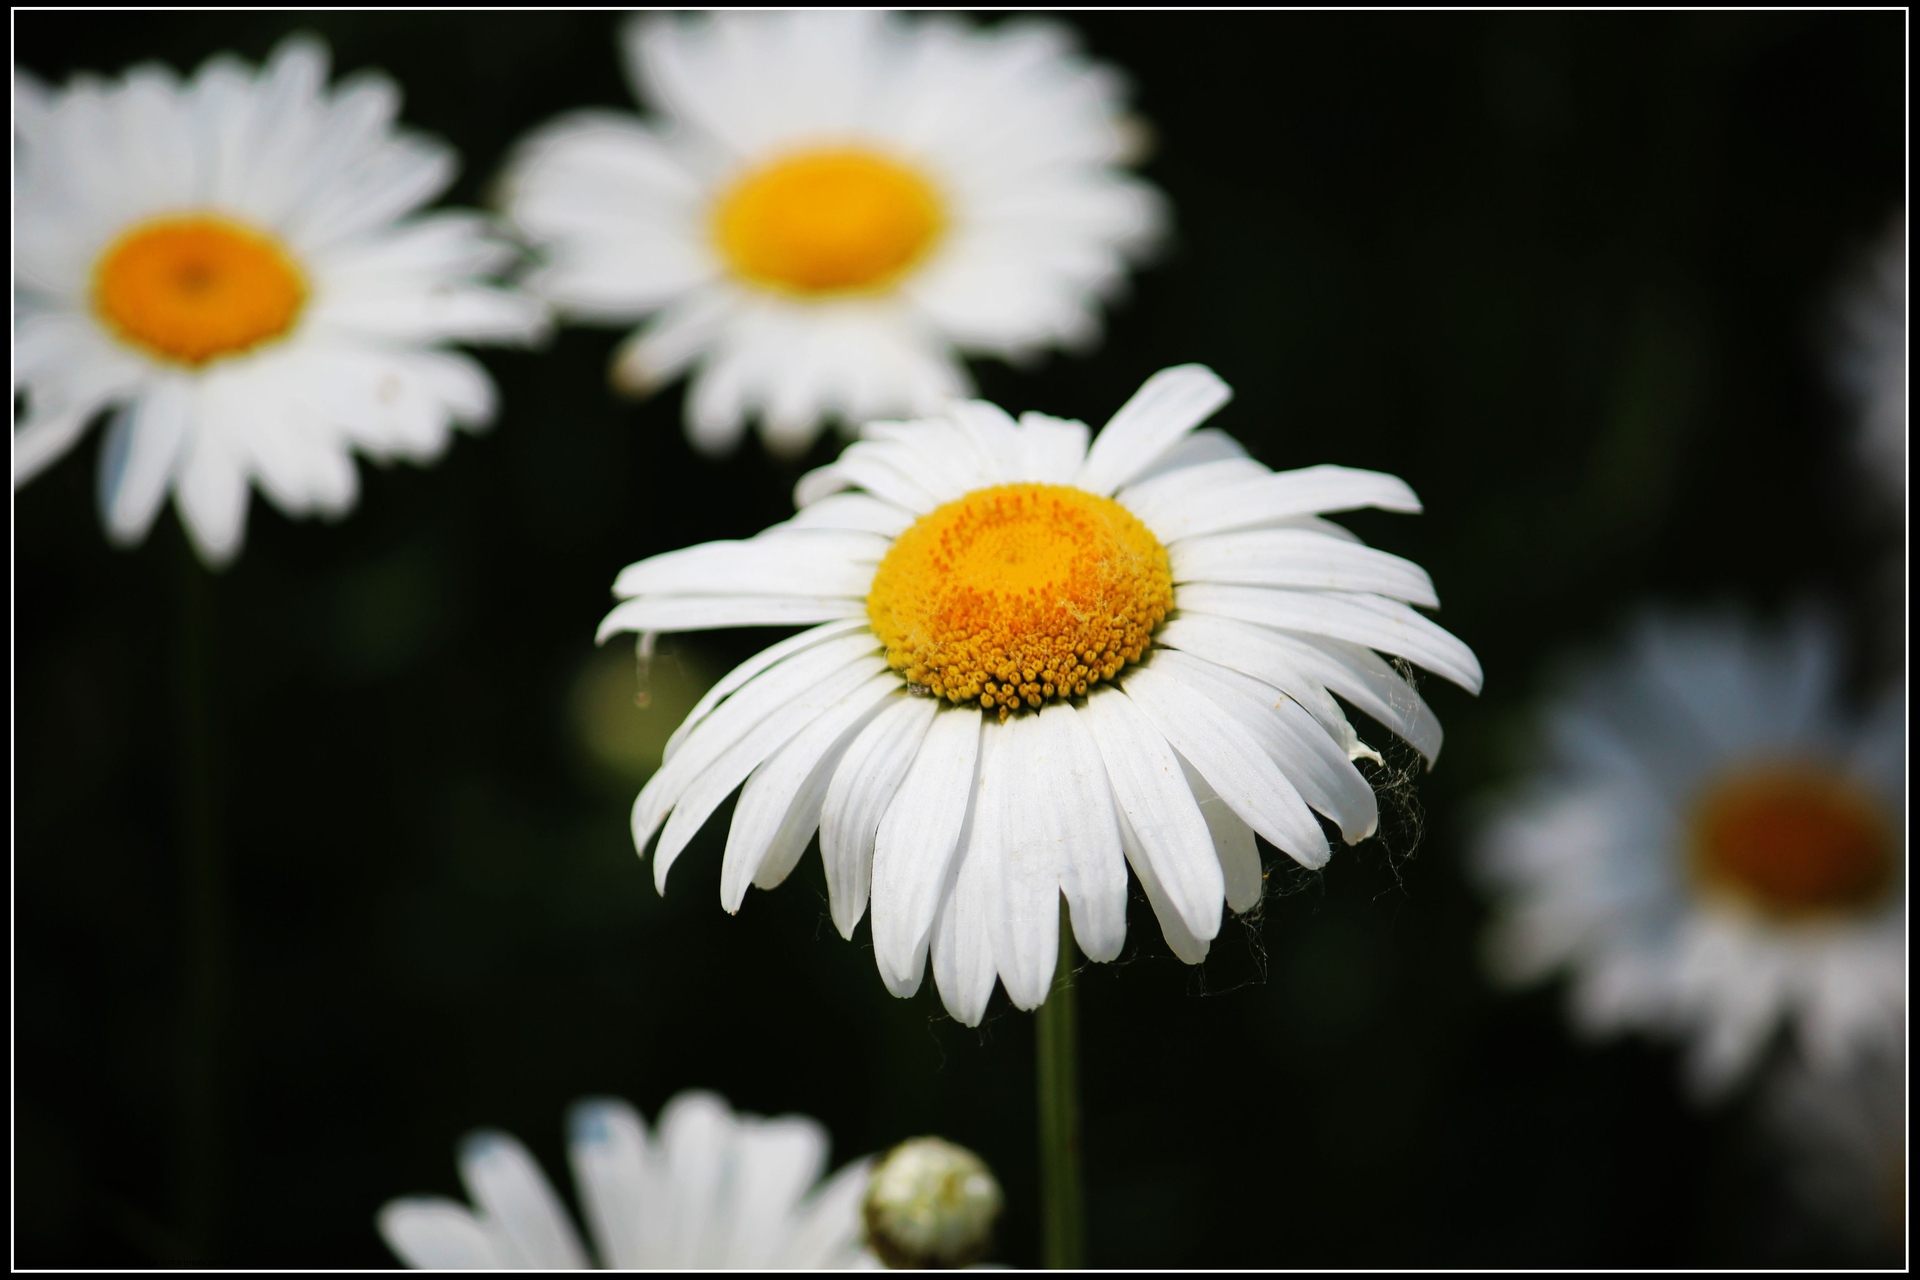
{"x": 1063, "y": 1221}
{"x": 204, "y": 900}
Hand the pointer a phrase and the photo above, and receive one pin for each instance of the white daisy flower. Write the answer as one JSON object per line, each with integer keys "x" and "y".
{"x": 710, "y": 1189}
{"x": 1871, "y": 363}
{"x": 1170, "y": 619}
{"x": 1714, "y": 850}
{"x": 228, "y": 265}
{"x": 828, "y": 208}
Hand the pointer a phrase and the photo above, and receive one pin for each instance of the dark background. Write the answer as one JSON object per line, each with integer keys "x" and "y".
{"x": 1568, "y": 275}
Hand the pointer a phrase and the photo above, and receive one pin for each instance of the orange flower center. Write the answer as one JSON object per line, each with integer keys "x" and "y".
{"x": 191, "y": 288}
{"x": 830, "y": 220}
{"x": 1020, "y": 593}
{"x": 1795, "y": 841}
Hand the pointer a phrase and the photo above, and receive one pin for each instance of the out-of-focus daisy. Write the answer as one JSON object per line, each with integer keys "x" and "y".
{"x": 1871, "y": 362}
{"x": 1870, "y": 365}
{"x": 1713, "y": 849}
{"x": 710, "y": 1189}
{"x": 1842, "y": 1139}
{"x": 228, "y": 265}
{"x": 828, "y": 208}
{"x": 1032, "y": 662}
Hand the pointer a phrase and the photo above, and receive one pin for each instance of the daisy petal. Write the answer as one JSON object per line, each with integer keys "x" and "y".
{"x": 1093, "y": 870}
{"x": 876, "y": 472}
{"x": 822, "y": 482}
{"x": 1026, "y": 927}
{"x": 902, "y": 474}
{"x": 752, "y": 667}
{"x": 607, "y": 1147}
{"x": 697, "y": 1131}
{"x": 776, "y": 1162}
{"x": 855, "y": 512}
{"x": 962, "y": 944}
{"x": 1232, "y": 761}
{"x": 1353, "y": 671}
{"x": 1320, "y": 770}
{"x": 796, "y": 833}
{"x": 1173, "y": 928}
{"x": 1170, "y": 833}
{"x": 1265, "y": 500}
{"x": 822, "y": 563}
{"x": 829, "y": 1226}
{"x": 69, "y": 377}
{"x": 916, "y": 840}
{"x": 963, "y": 941}
{"x": 704, "y": 613}
{"x": 1233, "y": 841}
{"x": 800, "y": 673}
{"x": 1265, "y": 655}
{"x": 863, "y": 785}
{"x": 506, "y": 1182}
{"x": 795, "y": 773}
{"x": 1169, "y": 405}
{"x": 430, "y": 1233}
{"x": 661, "y": 349}
{"x": 1378, "y": 623}
{"x": 1175, "y": 488}
{"x": 1207, "y": 445}
{"x": 1052, "y": 449}
{"x": 705, "y": 792}
{"x": 212, "y": 500}
{"x": 1296, "y": 558}
{"x": 143, "y": 448}
{"x": 44, "y": 438}
{"x": 995, "y": 440}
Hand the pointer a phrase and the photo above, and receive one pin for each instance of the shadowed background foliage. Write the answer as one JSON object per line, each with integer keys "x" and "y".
{"x": 1566, "y": 274}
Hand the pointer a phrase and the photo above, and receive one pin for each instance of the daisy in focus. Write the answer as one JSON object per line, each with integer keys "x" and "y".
{"x": 1033, "y": 659}
{"x": 709, "y": 1189}
{"x": 1714, "y": 851}
{"x": 827, "y": 209}
{"x": 228, "y": 264}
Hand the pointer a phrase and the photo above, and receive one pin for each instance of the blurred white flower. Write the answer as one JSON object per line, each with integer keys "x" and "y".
{"x": 1712, "y": 849}
{"x": 710, "y": 1189}
{"x": 828, "y": 207}
{"x": 1871, "y": 362}
{"x": 1843, "y": 1138}
{"x": 224, "y": 262}
{"x": 964, "y": 568}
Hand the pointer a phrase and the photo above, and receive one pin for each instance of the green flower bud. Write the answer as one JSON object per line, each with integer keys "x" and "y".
{"x": 931, "y": 1204}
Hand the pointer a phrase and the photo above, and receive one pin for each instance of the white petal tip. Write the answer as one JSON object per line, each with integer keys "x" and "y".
{"x": 903, "y": 988}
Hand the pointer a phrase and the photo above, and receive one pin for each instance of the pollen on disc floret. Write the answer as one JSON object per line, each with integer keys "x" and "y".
{"x": 1020, "y": 593}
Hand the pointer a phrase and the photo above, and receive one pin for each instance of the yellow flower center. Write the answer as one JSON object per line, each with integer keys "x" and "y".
{"x": 195, "y": 287}
{"x": 1019, "y": 593}
{"x": 830, "y": 220}
{"x": 1794, "y": 841}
